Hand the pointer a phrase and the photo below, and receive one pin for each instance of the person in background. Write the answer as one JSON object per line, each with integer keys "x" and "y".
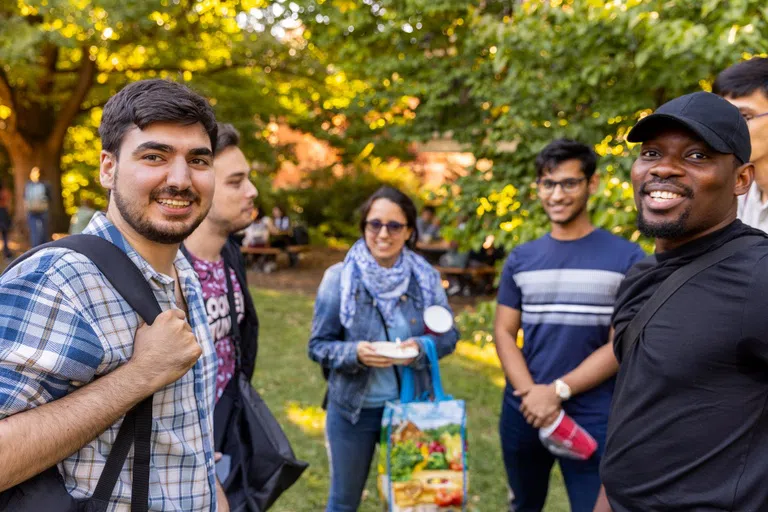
{"x": 213, "y": 253}
{"x": 560, "y": 289}
{"x": 37, "y": 199}
{"x": 257, "y": 235}
{"x": 378, "y": 293}
{"x": 82, "y": 216}
{"x": 257, "y": 232}
{"x": 281, "y": 232}
{"x": 5, "y": 218}
{"x": 745, "y": 85}
{"x": 428, "y": 225}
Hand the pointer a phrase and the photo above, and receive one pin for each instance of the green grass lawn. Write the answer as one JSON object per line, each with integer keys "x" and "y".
{"x": 293, "y": 387}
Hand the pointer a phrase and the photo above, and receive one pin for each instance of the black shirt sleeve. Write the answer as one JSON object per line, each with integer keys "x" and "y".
{"x": 755, "y": 319}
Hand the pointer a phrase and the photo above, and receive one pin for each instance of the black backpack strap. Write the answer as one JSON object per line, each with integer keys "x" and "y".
{"x": 130, "y": 283}
{"x": 671, "y": 284}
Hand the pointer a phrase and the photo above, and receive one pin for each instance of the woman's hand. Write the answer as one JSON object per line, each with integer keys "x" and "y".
{"x": 410, "y": 343}
{"x": 368, "y": 356}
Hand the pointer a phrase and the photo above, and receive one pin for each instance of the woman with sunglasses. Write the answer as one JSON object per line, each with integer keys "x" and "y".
{"x": 378, "y": 293}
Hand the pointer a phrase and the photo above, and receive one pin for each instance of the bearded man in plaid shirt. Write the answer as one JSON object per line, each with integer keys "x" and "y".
{"x": 74, "y": 357}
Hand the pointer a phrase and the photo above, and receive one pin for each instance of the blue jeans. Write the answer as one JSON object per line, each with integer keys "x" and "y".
{"x": 38, "y": 228}
{"x": 350, "y": 452}
{"x": 529, "y": 463}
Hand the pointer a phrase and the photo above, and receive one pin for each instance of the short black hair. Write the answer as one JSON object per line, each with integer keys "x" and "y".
{"x": 228, "y": 136}
{"x": 146, "y": 102}
{"x": 400, "y": 199}
{"x": 560, "y": 150}
{"x": 743, "y": 79}
{"x": 430, "y": 209}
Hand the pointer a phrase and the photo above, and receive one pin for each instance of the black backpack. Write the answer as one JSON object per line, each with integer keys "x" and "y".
{"x": 46, "y": 491}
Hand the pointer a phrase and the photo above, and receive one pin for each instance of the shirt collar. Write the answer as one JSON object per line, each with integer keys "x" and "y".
{"x": 102, "y": 227}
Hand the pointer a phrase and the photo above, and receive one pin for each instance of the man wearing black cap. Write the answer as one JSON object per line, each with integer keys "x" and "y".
{"x": 689, "y": 424}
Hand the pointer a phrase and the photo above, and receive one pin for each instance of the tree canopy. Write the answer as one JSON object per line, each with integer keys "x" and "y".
{"x": 495, "y": 75}
{"x": 60, "y": 60}
{"x": 502, "y": 78}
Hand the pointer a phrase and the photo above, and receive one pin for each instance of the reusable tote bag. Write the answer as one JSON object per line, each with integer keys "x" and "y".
{"x": 423, "y": 456}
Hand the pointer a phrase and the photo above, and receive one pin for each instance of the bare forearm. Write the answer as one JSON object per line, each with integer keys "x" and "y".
{"x": 34, "y": 440}
{"x": 594, "y": 370}
{"x": 512, "y": 361}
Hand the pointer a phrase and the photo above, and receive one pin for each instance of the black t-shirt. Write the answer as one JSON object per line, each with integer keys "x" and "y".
{"x": 689, "y": 422}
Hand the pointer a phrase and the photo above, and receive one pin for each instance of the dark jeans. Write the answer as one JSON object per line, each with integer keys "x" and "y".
{"x": 38, "y": 228}
{"x": 350, "y": 452}
{"x": 529, "y": 463}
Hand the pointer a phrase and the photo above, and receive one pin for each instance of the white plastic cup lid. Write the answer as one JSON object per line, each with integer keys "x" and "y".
{"x": 438, "y": 319}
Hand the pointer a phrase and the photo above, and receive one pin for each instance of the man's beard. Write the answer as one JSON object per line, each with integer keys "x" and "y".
{"x": 669, "y": 230}
{"x": 135, "y": 218}
{"x": 665, "y": 230}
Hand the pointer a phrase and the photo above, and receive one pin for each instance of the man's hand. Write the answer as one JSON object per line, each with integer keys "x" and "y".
{"x": 368, "y": 356}
{"x": 164, "y": 351}
{"x": 540, "y": 404}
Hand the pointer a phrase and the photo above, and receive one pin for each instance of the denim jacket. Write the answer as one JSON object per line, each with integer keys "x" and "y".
{"x": 335, "y": 347}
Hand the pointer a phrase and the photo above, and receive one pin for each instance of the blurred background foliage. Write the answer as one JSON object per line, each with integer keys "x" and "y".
{"x": 374, "y": 80}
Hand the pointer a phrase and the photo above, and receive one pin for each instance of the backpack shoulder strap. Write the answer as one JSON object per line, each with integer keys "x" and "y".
{"x": 136, "y": 429}
{"x": 673, "y": 283}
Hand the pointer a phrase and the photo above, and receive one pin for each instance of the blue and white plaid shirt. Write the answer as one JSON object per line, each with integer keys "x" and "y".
{"x": 62, "y": 324}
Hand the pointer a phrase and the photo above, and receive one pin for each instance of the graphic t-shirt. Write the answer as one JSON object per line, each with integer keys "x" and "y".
{"x": 214, "y": 284}
{"x": 565, "y": 291}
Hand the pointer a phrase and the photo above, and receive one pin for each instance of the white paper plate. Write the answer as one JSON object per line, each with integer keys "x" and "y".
{"x": 389, "y": 349}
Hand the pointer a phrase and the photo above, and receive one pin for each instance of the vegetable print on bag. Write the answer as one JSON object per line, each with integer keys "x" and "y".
{"x": 422, "y": 466}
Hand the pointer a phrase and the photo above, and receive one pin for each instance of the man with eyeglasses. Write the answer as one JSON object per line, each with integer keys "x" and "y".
{"x": 745, "y": 85}
{"x": 560, "y": 289}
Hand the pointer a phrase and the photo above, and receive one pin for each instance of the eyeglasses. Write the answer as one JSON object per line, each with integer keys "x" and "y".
{"x": 748, "y": 117}
{"x": 375, "y": 225}
{"x": 569, "y": 185}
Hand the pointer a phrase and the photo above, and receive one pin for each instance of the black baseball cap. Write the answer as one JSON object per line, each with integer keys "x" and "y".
{"x": 709, "y": 116}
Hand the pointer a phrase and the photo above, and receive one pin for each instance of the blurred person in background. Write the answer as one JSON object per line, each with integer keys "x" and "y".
{"x": 82, "y": 216}
{"x": 560, "y": 290}
{"x": 378, "y": 293}
{"x": 5, "y": 218}
{"x": 745, "y": 85}
{"x": 37, "y": 200}
{"x": 428, "y": 225}
{"x": 213, "y": 255}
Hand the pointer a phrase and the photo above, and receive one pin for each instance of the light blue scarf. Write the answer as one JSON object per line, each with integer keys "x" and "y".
{"x": 386, "y": 285}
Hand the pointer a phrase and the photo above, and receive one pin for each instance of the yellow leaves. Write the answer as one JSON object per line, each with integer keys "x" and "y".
{"x": 310, "y": 419}
{"x": 485, "y": 354}
{"x": 5, "y": 112}
{"x": 345, "y": 5}
{"x": 511, "y": 225}
{"x": 367, "y": 150}
{"x": 26, "y": 9}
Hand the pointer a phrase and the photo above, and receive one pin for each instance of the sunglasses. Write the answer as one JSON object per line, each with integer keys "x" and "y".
{"x": 375, "y": 225}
